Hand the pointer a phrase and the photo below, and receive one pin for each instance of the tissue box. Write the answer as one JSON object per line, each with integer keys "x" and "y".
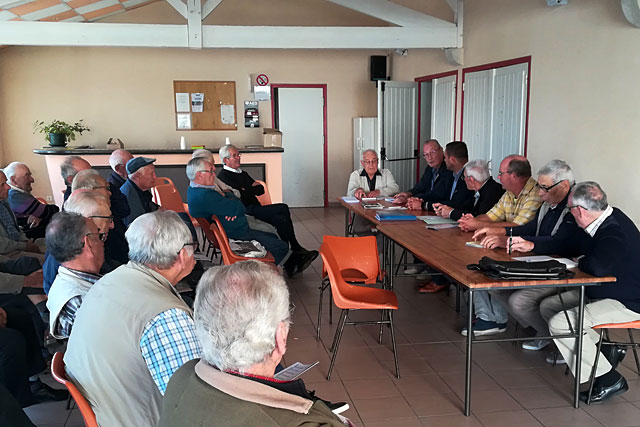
{"x": 272, "y": 137}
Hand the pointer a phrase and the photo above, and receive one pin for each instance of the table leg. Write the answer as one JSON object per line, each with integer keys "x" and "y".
{"x": 467, "y": 378}
{"x": 576, "y": 390}
{"x": 391, "y": 260}
{"x": 346, "y": 222}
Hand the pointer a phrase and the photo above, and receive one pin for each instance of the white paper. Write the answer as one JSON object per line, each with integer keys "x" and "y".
{"x": 537, "y": 258}
{"x": 227, "y": 115}
{"x": 184, "y": 120}
{"x": 182, "y": 103}
{"x": 431, "y": 220}
{"x": 294, "y": 371}
{"x": 350, "y": 199}
{"x": 197, "y": 102}
{"x": 262, "y": 93}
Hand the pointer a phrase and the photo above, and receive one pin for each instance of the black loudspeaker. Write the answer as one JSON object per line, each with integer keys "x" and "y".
{"x": 378, "y": 67}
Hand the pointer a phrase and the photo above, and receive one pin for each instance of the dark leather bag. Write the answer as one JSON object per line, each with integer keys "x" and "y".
{"x": 522, "y": 270}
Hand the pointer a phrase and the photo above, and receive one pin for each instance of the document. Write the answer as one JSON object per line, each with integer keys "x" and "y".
{"x": 537, "y": 258}
{"x": 197, "y": 102}
{"x": 184, "y": 120}
{"x": 182, "y": 103}
{"x": 350, "y": 199}
{"x": 432, "y": 219}
{"x": 294, "y": 371}
{"x": 227, "y": 114}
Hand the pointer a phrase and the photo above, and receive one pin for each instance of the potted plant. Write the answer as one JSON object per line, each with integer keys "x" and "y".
{"x": 58, "y": 132}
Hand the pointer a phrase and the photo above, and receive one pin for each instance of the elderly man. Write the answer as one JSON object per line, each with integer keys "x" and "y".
{"x": 486, "y": 190}
{"x": 13, "y": 242}
{"x": 32, "y": 215}
{"x": 552, "y": 222}
{"x": 611, "y": 247}
{"x": 133, "y": 330}
{"x": 517, "y": 206}
{"x": 206, "y": 200}
{"x": 142, "y": 177}
{"x": 276, "y": 214}
{"x": 69, "y": 168}
{"x": 77, "y": 243}
{"x": 118, "y": 162}
{"x": 242, "y": 319}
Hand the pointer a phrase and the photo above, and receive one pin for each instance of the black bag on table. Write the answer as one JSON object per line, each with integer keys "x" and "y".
{"x": 522, "y": 270}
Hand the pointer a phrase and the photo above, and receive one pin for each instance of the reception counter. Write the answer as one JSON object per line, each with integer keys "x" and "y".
{"x": 270, "y": 157}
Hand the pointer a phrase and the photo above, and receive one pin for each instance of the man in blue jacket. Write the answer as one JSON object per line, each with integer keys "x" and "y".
{"x": 611, "y": 247}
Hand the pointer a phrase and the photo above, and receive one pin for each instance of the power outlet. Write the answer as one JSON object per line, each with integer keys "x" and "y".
{"x": 49, "y": 198}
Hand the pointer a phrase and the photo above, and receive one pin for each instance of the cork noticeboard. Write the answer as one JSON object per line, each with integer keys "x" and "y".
{"x": 218, "y": 105}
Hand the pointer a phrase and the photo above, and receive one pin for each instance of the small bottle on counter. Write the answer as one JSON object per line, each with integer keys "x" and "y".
{"x": 183, "y": 143}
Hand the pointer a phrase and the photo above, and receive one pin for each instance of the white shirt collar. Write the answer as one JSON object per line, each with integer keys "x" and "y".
{"x": 593, "y": 227}
{"x": 18, "y": 189}
{"x": 239, "y": 170}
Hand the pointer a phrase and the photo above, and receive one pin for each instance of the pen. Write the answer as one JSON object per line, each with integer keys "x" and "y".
{"x": 510, "y": 238}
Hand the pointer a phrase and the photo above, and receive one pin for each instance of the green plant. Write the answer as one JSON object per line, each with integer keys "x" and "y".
{"x": 58, "y": 126}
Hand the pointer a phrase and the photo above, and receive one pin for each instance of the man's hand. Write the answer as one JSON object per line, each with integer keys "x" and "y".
{"x": 32, "y": 247}
{"x": 414, "y": 203}
{"x": 493, "y": 241}
{"x": 374, "y": 193}
{"x": 255, "y": 184}
{"x": 443, "y": 211}
{"x": 520, "y": 245}
{"x": 3, "y": 318}
{"x": 468, "y": 223}
{"x": 33, "y": 280}
{"x": 359, "y": 194}
{"x": 230, "y": 218}
{"x": 33, "y": 221}
{"x": 483, "y": 232}
{"x": 401, "y": 198}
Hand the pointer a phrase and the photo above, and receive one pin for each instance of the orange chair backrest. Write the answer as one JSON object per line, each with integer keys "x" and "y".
{"x": 59, "y": 374}
{"x": 163, "y": 180}
{"x": 167, "y": 196}
{"x": 228, "y": 257}
{"x": 208, "y": 231}
{"x": 626, "y": 325}
{"x": 357, "y": 257}
{"x": 265, "y": 199}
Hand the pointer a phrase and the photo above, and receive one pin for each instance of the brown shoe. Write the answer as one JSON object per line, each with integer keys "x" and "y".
{"x": 431, "y": 287}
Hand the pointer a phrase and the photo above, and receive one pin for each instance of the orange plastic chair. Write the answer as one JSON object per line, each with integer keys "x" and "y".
{"x": 167, "y": 196}
{"x": 59, "y": 374}
{"x": 604, "y": 327}
{"x": 358, "y": 262}
{"x": 265, "y": 199}
{"x": 352, "y": 297}
{"x": 163, "y": 180}
{"x": 228, "y": 256}
{"x": 210, "y": 238}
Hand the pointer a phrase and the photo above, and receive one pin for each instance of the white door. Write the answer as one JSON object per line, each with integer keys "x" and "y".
{"x": 301, "y": 121}
{"x": 365, "y": 137}
{"x": 443, "y": 109}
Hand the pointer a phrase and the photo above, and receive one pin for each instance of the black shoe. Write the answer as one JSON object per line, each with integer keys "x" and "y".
{"x": 600, "y": 394}
{"x": 613, "y": 353}
{"x": 336, "y": 407}
{"x": 291, "y": 268}
{"x": 306, "y": 260}
{"x": 42, "y": 392}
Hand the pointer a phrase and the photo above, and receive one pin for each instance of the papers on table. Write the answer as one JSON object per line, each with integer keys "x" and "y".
{"x": 441, "y": 226}
{"x": 474, "y": 245}
{"x": 432, "y": 220}
{"x": 350, "y": 199}
{"x": 536, "y": 258}
{"x": 294, "y": 371}
{"x": 372, "y": 206}
{"x": 394, "y": 216}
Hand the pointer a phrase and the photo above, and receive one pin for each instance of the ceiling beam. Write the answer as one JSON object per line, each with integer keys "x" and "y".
{"x": 391, "y": 12}
{"x": 209, "y": 6}
{"x": 194, "y": 23}
{"x": 214, "y": 36}
{"x": 180, "y": 6}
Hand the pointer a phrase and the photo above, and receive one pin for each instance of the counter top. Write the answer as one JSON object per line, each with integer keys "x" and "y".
{"x": 65, "y": 151}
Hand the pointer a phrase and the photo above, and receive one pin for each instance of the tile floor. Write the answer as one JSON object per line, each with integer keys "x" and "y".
{"x": 510, "y": 386}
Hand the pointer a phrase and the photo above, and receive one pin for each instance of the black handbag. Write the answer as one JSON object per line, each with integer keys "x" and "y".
{"x": 522, "y": 270}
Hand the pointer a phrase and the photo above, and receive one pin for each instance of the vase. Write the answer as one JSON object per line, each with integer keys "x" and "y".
{"x": 57, "y": 139}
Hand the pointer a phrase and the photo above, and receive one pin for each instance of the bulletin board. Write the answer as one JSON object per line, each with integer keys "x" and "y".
{"x": 205, "y": 105}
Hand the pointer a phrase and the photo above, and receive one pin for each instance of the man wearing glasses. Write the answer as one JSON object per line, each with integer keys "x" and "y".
{"x": 553, "y": 221}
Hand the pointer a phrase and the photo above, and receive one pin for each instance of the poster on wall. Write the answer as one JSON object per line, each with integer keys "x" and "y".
{"x": 182, "y": 103}
{"x": 197, "y": 102}
{"x": 227, "y": 114}
{"x": 184, "y": 120}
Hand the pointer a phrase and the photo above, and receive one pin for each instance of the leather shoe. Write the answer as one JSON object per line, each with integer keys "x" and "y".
{"x": 431, "y": 287}
{"x": 600, "y": 394}
{"x": 42, "y": 392}
{"x": 613, "y": 353}
{"x": 306, "y": 260}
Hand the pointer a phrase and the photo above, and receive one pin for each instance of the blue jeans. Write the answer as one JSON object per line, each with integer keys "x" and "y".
{"x": 487, "y": 308}
{"x": 278, "y": 248}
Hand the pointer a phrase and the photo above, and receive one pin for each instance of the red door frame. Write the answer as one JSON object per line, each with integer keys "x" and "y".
{"x": 455, "y": 103}
{"x": 501, "y": 64}
{"x": 322, "y": 86}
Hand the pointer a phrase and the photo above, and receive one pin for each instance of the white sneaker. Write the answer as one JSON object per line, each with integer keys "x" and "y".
{"x": 412, "y": 270}
{"x": 559, "y": 360}
{"x": 535, "y": 344}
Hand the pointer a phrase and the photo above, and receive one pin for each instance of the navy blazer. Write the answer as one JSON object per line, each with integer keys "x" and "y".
{"x": 423, "y": 188}
{"x": 490, "y": 193}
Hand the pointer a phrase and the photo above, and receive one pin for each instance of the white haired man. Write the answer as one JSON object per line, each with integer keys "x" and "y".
{"x": 118, "y": 162}
{"x": 135, "y": 347}
{"x": 276, "y": 214}
{"x": 32, "y": 215}
{"x": 611, "y": 247}
{"x": 242, "y": 319}
{"x": 69, "y": 169}
{"x": 141, "y": 178}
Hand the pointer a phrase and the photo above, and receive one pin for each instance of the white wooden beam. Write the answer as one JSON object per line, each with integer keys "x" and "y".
{"x": 179, "y": 6}
{"x": 194, "y": 22}
{"x": 213, "y": 36}
{"x": 209, "y": 6}
{"x": 391, "y": 12}
{"x": 453, "y": 4}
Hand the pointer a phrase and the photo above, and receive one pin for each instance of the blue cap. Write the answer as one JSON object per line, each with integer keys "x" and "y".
{"x": 137, "y": 163}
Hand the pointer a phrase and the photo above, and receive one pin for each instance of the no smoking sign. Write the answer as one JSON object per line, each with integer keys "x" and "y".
{"x": 262, "y": 80}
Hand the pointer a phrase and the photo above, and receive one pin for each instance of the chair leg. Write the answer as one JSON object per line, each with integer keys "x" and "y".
{"x": 381, "y": 325}
{"x": 635, "y": 350}
{"x": 322, "y": 283}
{"x": 330, "y": 306}
{"x": 515, "y": 334}
{"x": 592, "y": 380}
{"x": 69, "y": 400}
{"x": 336, "y": 341}
{"x": 393, "y": 343}
{"x": 458, "y": 294}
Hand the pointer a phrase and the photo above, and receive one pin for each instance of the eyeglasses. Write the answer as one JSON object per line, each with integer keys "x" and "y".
{"x": 207, "y": 171}
{"x": 545, "y": 188}
{"x": 110, "y": 217}
{"x": 235, "y": 156}
{"x": 430, "y": 153}
{"x": 573, "y": 206}
{"x": 370, "y": 162}
{"x": 101, "y": 236}
{"x": 108, "y": 187}
{"x": 503, "y": 173}
{"x": 193, "y": 244}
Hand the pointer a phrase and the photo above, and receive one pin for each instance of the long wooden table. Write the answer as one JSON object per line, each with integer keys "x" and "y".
{"x": 445, "y": 250}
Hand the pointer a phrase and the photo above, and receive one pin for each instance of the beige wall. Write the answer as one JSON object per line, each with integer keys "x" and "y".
{"x": 584, "y": 83}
